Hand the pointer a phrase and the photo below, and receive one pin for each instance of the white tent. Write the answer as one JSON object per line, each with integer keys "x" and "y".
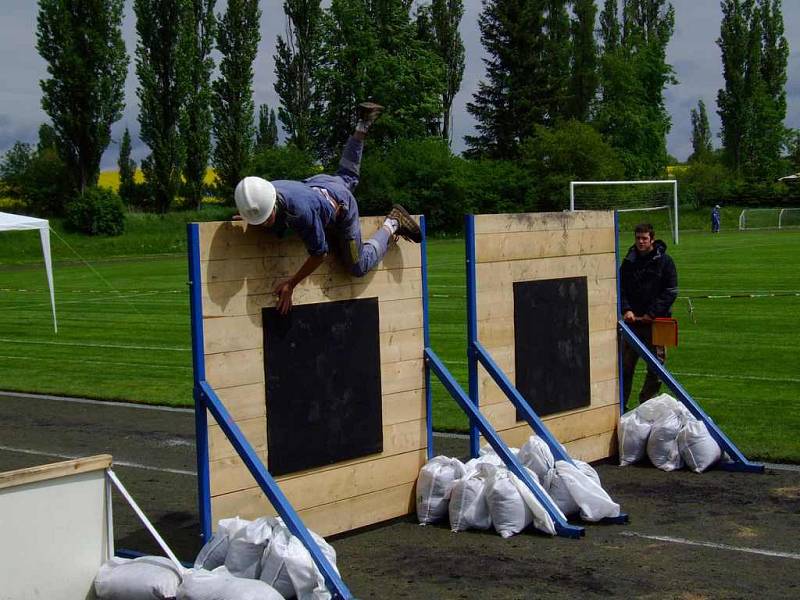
{"x": 9, "y": 222}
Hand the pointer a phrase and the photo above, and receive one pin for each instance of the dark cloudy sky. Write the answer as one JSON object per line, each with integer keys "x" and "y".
{"x": 692, "y": 52}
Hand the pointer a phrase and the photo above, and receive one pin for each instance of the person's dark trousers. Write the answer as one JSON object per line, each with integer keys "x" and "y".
{"x": 629, "y": 360}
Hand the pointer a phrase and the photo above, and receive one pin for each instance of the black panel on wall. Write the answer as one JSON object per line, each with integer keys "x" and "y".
{"x": 323, "y": 384}
{"x": 551, "y": 344}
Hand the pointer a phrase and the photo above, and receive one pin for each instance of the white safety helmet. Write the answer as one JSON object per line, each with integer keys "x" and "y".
{"x": 255, "y": 199}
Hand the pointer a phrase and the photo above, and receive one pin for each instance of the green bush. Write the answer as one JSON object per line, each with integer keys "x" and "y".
{"x": 705, "y": 184}
{"x": 38, "y": 178}
{"x": 282, "y": 162}
{"x": 98, "y": 211}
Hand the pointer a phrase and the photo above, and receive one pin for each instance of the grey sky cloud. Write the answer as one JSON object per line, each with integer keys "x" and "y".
{"x": 692, "y": 52}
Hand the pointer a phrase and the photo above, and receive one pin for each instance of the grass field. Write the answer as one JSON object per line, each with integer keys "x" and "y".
{"x": 124, "y": 324}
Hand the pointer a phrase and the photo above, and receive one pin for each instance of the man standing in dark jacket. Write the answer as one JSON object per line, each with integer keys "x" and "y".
{"x": 649, "y": 286}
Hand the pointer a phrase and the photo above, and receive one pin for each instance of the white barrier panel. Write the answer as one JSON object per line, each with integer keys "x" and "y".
{"x": 54, "y": 526}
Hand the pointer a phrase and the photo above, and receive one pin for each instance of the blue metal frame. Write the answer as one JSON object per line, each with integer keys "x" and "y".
{"x": 563, "y": 527}
{"x": 620, "y": 373}
{"x": 472, "y": 329}
{"x": 199, "y": 370}
{"x": 207, "y": 399}
{"x": 426, "y": 335}
{"x": 740, "y": 462}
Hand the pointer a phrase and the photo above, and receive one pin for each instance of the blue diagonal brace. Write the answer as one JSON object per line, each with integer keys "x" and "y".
{"x": 531, "y": 417}
{"x": 740, "y": 462}
{"x": 563, "y": 527}
{"x": 245, "y": 450}
{"x": 519, "y": 402}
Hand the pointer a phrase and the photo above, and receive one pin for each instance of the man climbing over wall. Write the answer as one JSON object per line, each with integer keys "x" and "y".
{"x": 648, "y": 287}
{"x": 325, "y": 203}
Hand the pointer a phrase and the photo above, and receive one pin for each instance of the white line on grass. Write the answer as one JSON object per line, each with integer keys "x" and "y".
{"x": 97, "y": 362}
{"x": 740, "y": 377}
{"x": 674, "y": 540}
{"x": 82, "y": 345}
{"x": 119, "y": 463}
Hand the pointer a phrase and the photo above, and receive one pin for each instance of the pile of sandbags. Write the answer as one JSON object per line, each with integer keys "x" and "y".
{"x": 483, "y": 493}
{"x": 666, "y": 432}
{"x": 244, "y": 560}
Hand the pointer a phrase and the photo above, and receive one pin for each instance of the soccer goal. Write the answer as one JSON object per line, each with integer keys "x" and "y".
{"x": 769, "y": 218}
{"x": 655, "y": 201}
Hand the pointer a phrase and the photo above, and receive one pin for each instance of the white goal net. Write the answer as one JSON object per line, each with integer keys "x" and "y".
{"x": 769, "y": 218}
{"x": 654, "y": 201}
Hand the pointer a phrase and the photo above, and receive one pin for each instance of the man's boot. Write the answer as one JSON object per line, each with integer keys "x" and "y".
{"x": 367, "y": 114}
{"x": 407, "y": 227}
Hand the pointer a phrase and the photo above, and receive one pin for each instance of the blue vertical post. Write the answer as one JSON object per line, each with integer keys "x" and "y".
{"x": 620, "y": 342}
{"x": 426, "y": 331}
{"x": 199, "y": 371}
{"x": 472, "y": 329}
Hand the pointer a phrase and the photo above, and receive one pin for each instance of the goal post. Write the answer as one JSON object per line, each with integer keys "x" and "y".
{"x": 769, "y": 218}
{"x": 610, "y": 203}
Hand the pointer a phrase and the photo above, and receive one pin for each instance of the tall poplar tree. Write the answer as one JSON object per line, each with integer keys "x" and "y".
{"x": 445, "y": 17}
{"x": 195, "y": 124}
{"x": 374, "y": 51}
{"x": 162, "y": 91}
{"x": 232, "y": 99}
{"x": 631, "y": 112}
{"x": 701, "y": 134}
{"x": 296, "y": 60}
{"x": 267, "y": 128}
{"x": 84, "y": 93}
{"x": 557, "y": 56}
{"x": 127, "y": 169}
{"x": 583, "y": 76}
{"x": 752, "y": 105}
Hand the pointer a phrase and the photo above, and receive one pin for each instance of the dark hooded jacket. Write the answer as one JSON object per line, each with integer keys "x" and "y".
{"x": 649, "y": 283}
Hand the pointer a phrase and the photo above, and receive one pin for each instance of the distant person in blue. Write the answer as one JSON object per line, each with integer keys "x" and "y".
{"x": 324, "y": 204}
{"x": 715, "y": 219}
{"x": 648, "y": 283}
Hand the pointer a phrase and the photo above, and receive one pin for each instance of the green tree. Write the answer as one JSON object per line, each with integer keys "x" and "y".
{"x": 84, "y": 92}
{"x": 567, "y": 152}
{"x": 583, "y": 79}
{"x": 631, "y": 111}
{"x": 510, "y": 101}
{"x": 14, "y": 168}
{"x": 266, "y": 129}
{"x": 48, "y": 138}
{"x": 296, "y": 60}
{"x": 557, "y": 55}
{"x": 162, "y": 91}
{"x": 445, "y": 17}
{"x": 232, "y": 99}
{"x": 793, "y": 148}
{"x": 702, "y": 150}
{"x": 197, "y": 40}
{"x": 127, "y": 170}
{"x": 373, "y": 51}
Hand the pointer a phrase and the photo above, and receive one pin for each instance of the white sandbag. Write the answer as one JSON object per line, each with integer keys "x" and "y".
{"x": 247, "y": 546}
{"x": 632, "y": 433}
{"x": 434, "y": 485}
{"x": 143, "y": 578}
{"x": 541, "y": 518}
{"x": 468, "y": 507}
{"x": 560, "y": 494}
{"x": 536, "y": 455}
{"x": 213, "y": 553}
{"x": 698, "y": 449}
{"x": 662, "y": 445}
{"x": 657, "y": 407}
{"x": 582, "y": 484}
{"x": 510, "y": 514}
{"x": 219, "y": 584}
{"x": 288, "y": 567}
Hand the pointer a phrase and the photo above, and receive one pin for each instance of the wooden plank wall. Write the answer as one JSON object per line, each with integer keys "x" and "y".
{"x": 529, "y": 247}
{"x": 240, "y": 267}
